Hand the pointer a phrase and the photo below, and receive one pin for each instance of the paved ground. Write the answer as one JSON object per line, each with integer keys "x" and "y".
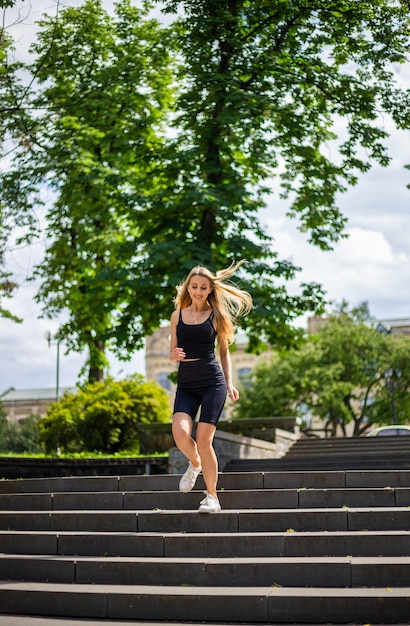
{"x": 21, "y": 620}
{"x": 13, "y": 620}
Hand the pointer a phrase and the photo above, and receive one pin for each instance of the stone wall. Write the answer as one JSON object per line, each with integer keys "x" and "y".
{"x": 284, "y": 440}
{"x": 227, "y": 447}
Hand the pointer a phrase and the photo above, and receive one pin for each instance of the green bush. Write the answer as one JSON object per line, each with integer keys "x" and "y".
{"x": 20, "y": 437}
{"x": 104, "y": 416}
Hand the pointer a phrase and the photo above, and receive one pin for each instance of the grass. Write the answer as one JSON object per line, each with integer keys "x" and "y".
{"x": 84, "y": 455}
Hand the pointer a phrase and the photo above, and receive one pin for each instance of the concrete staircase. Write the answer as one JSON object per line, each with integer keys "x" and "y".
{"x": 334, "y": 453}
{"x": 288, "y": 547}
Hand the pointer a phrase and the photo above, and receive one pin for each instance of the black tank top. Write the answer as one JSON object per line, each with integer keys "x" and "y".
{"x": 197, "y": 340}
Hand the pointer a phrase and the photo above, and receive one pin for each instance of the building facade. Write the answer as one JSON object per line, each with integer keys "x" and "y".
{"x": 19, "y": 404}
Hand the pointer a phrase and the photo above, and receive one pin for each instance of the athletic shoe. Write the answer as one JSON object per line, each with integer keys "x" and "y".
{"x": 210, "y": 504}
{"x": 188, "y": 480}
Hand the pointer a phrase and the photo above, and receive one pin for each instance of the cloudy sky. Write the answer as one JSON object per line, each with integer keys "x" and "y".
{"x": 372, "y": 264}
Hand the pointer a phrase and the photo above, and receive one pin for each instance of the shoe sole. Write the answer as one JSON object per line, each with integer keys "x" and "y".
{"x": 209, "y": 512}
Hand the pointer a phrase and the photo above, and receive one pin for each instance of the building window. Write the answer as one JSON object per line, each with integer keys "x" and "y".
{"x": 163, "y": 380}
{"x": 245, "y": 376}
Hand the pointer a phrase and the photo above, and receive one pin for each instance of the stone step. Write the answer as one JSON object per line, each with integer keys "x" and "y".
{"x": 29, "y": 620}
{"x": 318, "y": 462}
{"x": 288, "y": 547}
{"x": 210, "y": 572}
{"x": 256, "y": 520}
{"x": 341, "y": 445}
{"x": 227, "y": 481}
{"x": 267, "y": 604}
{"x": 293, "y": 544}
{"x": 235, "y": 499}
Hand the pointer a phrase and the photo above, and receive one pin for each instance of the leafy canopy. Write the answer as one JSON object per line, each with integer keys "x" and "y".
{"x": 285, "y": 90}
{"x": 341, "y": 375}
{"x": 93, "y": 117}
{"x": 158, "y": 147}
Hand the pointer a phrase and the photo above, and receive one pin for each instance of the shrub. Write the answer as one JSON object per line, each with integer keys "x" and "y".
{"x": 20, "y": 437}
{"x": 104, "y": 416}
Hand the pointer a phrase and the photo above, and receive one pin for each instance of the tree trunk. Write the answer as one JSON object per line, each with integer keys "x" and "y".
{"x": 96, "y": 372}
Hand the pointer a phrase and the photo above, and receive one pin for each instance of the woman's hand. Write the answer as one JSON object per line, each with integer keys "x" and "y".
{"x": 233, "y": 393}
{"x": 177, "y": 354}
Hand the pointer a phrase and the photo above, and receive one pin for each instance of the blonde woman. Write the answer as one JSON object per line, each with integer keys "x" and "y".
{"x": 206, "y": 306}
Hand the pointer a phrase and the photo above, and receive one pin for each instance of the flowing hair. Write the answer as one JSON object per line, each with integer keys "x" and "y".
{"x": 227, "y": 301}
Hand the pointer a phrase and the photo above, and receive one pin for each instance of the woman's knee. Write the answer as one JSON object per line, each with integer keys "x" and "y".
{"x": 204, "y": 436}
{"x": 181, "y": 426}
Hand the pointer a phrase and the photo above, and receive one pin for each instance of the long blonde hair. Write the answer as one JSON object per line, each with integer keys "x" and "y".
{"x": 227, "y": 301}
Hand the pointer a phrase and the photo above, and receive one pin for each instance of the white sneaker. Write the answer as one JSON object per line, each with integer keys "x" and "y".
{"x": 188, "y": 480}
{"x": 210, "y": 504}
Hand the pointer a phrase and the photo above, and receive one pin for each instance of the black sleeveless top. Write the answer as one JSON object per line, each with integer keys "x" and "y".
{"x": 197, "y": 340}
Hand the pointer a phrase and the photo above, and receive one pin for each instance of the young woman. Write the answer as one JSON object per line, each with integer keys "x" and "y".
{"x": 206, "y": 308}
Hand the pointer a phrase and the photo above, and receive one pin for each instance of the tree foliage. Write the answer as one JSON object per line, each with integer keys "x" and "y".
{"x": 340, "y": 375}
{"x": 265, "y": 89}
{"x": 102, "y": 87}
{"x": 4, "y": 4}
{"x": 20, "y": 437}
{"x": 3, "y": 421}
{"x": 7, "y": 120}
{"x": 103, "y": 416}
{"x": 159, "y": 146}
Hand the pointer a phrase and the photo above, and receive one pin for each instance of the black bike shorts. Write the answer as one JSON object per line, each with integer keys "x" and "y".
{"x": 201, "y": 384}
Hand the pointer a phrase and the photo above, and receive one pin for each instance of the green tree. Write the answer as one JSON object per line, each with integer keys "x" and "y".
{"x": 276, "y": 386}
{"x": 339, "y": 375}
{"x": 22, "y": 437}
{"x": 7, "y": 122}
{"x": 19, "y": 436}
{"x": 104, "y": 416}
{"x": 352, "y": 356}
{"x": 102, "y": 88}
{"x": 3, "y": 424}
{"x": 265, "y": 89}
{"x": 392, "y": 402}
{"x": 262, "y": 91}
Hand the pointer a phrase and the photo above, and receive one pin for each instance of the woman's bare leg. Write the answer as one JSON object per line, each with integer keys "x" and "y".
{"x": 204, "y": 437}
{"x": 182, "y": 432}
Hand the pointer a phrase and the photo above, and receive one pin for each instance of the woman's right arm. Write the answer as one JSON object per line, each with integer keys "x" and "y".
{"x": 175, "y": 353}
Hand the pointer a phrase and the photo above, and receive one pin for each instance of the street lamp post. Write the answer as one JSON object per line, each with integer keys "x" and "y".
{"x": 49, "y": 338}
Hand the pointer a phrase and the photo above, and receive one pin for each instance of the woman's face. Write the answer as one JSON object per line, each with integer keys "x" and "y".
{"x": 199, "y": 288}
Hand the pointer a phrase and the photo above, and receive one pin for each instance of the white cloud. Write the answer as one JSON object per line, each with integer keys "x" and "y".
{"x": 365, "y": 247}
{"x": 371, "y": 265}
{"x": 28, "y": 362}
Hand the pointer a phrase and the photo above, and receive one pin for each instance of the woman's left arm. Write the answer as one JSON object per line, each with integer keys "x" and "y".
{"x": 226, "y": 363}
